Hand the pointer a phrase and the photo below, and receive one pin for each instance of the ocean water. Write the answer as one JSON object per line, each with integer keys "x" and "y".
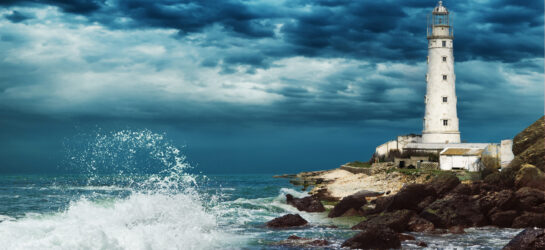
{"x": 134, "y": 190}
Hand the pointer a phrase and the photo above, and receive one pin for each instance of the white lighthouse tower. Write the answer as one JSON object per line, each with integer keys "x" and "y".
{"x": 441, "y": 119}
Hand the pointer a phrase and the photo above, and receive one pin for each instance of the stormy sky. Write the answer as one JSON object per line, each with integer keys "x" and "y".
{"x": 245, "y": 86}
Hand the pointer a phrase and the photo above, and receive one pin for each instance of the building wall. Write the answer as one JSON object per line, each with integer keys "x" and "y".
{"x": 436, "y": 110}
{"x": 467, "y": 162}
{"x": 386, "y": 147}
{"x": 403, "y": 140}
{"x": 506, "y": 153}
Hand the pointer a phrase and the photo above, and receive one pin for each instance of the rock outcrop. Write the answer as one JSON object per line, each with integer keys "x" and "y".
{"x": 374, "y": 238}
{"x": 528, "y": 239}
{"x": 309, "y": 204}
{"x": 529, "y": 146}
{"x": 397, "y": 221}
{"x": 354, "y": 202}
{"x": 287, "y": 221}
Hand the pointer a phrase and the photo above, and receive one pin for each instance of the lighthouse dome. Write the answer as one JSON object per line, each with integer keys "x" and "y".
{"x": 440, "y": 9}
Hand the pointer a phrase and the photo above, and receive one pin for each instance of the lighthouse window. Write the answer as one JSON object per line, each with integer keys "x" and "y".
{"x": 444, "y": 43}
{"x": 444, "y": 58}
{"x": 445, "y": 99}
{"x": 445, "y": 122}
{"x": 444, "y": 77}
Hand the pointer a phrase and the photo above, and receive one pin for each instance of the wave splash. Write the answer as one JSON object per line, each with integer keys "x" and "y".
{"x": 164, "y": 210}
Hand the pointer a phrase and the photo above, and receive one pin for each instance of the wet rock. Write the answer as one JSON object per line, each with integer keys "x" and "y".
{"x": 503, "y": 218}
{"x": 528, "y": 239}
{"x": 529, "y": 219}
{"x": 418, "y": 224}
{"x": 456, "y": 230}
{"x": 405, "y": 237}
{"x": 502, "y": 200}
{"x": 353, "y": 212}
{"x": 530, "y": 199}
{"x": 307, "y": 204}
{"x": 397, "y": 221}
{"x": 296, "y": 241}
{"x": 444, "y": 183}
{"x": 324, "y": 195}
{"x": 422, "y": 244}
{"x": 355, "y": 201}
{"x": 410, "y": 196}
{"x": 530, "y": 176}
{"x": 454, "y": 210}
{"x": 286, "y": 221}
{"x": 374, "y": 238}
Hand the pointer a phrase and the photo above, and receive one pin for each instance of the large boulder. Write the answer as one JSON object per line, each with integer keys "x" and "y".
{"x": 295, "y": 241}
{"x": 454, "y": 210}
{"x": 397, "y": 221}
{"x": 307, "y": 204}
{"x": 418, "y": 224}
{"x": 529, "y": 219}
{"x": 530, "y": 199}
{"x": 374, "y": 238}
{"x": 528, "y": 146}
{"x": 410, "y": 196}
{"x": 286, "y": 221}
{"x": 528, "y": 239}
{"x": 444, "y": 183}
{"x": 497, "y": 201}
{"x": 355, "y": 201}
{"x": 530, "y": 176}
{"x": 503, "y": 218}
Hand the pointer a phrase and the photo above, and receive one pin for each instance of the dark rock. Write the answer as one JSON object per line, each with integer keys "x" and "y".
{"x": 503, "y": 218}
{"x": 397, "y": 221}
{"x": 528, "y": 239}
{"x": 530, "y": 176}
{"x": 444, "y": 183}
{"x": 353, "y": 212}
{"x": 296, "y": 241}
{"x": 405, "y": 237}
{"x": 288, "y": 220}
{"x": 410, "y": 196}
{"x": 355, "y": 201}
{"x": 501, "y": 180}
{"x": 374, "y": 238}
{"x": 463, "y": 189}
{"x": 422, "y": 244}
{"x": 324, "y": 195}
{"x": 456, "y": 230}
{"x": 530, "y": 199}
{"x": 418, "y": 224}
{"x": 454, "y": 210}
{"x": 502, "y": 200}
{"x": 528, "y": 219}
{"x": 307, "y": 204}
{"x": 534, "y": 155}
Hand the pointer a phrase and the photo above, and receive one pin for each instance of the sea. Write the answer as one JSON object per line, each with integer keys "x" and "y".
{"x": 135, "y": 190}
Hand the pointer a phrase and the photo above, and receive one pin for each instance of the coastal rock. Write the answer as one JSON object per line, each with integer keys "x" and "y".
{"x": 288, "y": 220}
{"x": 528, "y": 239}
{"x": 444, "y": 183}
{"x": 463, "y": 189}
{"x": 300, "y": 242}
{"x": 397, "y": 221}
{"x": 502, "y": 200}
{"x": 308, "y": 204}
{"x": 528, "y": 146}
{"x": 406, "y": 237}
{"x": 355, "y": 201}
{"x": 530, "y": 176}
{"x": 456, "y": 230}
{"x": 454, "y": 210}
{"x": 530, "y": 199}
{"x": 374, "y": 238}
{"x": 410, "y": 196}
{"x": 529, "y": 219}
{"x": 418, "y": 224}
{"x": 503, "y": 218}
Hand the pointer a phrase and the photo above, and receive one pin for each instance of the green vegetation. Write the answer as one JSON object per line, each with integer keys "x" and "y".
{"x": 359, "y": 164}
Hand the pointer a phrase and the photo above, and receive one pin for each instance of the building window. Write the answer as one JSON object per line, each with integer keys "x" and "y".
{"x": 444, "y": 58}
{"x": 444, "y": 77}
{"x": 445, "y": 122}
{"x": 444, "y": 43}
{"x": 445, "y": 99}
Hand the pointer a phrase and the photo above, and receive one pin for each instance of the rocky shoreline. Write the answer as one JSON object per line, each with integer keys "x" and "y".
{"x": 389, "y": 203}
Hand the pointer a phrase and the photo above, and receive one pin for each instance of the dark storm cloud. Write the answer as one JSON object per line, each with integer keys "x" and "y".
{"x": 17, "y": 16}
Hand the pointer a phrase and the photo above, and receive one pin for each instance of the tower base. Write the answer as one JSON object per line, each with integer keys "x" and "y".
{"x": 450, "y": 137}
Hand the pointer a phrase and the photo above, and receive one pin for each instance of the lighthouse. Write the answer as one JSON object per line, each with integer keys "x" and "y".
{"x": 441, "y": 119}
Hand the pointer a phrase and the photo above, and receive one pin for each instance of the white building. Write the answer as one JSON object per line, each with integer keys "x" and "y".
{"x": 460, "y": 159}
{"x": 441, "y": 119}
